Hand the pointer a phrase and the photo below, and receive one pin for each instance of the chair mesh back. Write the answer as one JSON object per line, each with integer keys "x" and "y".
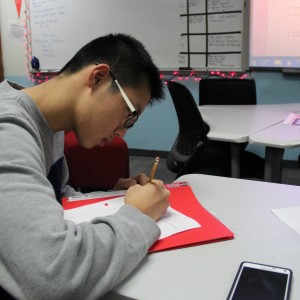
{"x": 192, "y": 130}
{"x": 227, "y": 91}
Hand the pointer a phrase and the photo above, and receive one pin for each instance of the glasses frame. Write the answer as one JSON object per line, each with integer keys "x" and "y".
{"x": 133, "y": 116}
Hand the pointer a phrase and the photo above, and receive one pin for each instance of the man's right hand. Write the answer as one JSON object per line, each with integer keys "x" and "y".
{"x": 151, "y": 199}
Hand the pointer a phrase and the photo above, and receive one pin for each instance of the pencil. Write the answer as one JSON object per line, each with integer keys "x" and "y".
{"x": 156, "y": 161}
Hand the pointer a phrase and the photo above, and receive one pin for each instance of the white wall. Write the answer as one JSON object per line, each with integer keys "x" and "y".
{"x": 158, "y": 125}
{"x": 13, "y": 50}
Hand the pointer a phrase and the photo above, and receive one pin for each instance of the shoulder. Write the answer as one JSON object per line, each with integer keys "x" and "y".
{"x": 13, "y": 103}
{"x": 20, "y": 118}
{"x": 7, "y": 86}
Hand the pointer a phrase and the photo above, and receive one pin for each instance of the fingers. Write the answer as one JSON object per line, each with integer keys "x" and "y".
{"x": 158, "y": 182}
{"x": 140, "y": 179}
{"x": 124, "y": 184}
{"x": 143, "y": 179}
{"x": 152, "y": 199}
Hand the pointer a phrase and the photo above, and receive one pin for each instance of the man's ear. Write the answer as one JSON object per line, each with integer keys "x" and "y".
{"x": 97, "y": 75}
{"x": 97, "y": 79}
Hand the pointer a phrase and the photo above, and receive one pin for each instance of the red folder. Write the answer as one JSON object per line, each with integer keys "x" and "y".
{"x": 183, "y": 200}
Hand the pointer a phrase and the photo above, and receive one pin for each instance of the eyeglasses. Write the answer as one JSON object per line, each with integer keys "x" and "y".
{"x": 133, "y": 116}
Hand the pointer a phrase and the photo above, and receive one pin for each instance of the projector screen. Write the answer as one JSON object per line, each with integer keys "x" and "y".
{"x": 275, "y": 34}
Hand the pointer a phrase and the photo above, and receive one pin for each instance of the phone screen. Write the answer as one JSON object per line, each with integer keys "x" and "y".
{"x": 255, "y": 281}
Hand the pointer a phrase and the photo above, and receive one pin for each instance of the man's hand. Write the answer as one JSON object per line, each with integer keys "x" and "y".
{"x": 151, "y": 199}
{"x": 126, "y": 183}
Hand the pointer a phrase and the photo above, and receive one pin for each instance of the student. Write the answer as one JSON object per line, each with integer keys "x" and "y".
{"x": 99, "y": 94}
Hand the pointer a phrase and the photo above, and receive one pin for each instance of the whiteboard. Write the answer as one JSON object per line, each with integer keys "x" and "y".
{"x": 184, "y": 34}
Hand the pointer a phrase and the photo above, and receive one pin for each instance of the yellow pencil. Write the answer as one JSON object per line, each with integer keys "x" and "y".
{"x": 156, "y": 161}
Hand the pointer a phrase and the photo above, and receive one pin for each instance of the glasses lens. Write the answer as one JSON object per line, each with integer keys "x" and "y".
{"x": 130, "y": 121}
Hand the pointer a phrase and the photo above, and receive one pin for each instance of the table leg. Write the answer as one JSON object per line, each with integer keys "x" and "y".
{"x": 273, "y": 164}
{"x": 235, "y": 159}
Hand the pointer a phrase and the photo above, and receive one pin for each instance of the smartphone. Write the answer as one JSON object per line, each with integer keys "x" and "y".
{"x": 255, "y": 281}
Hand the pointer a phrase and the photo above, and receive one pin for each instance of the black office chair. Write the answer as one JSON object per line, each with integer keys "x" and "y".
{"x": 192, "y": 130}
{"x": 188, "y": 153}
{"x": 192, "y": 152}
{"x": 5, "y": 295}
{"x": 227, "y": 91}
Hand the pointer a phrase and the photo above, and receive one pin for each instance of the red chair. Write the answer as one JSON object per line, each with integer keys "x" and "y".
{"x": 98, "y": 168}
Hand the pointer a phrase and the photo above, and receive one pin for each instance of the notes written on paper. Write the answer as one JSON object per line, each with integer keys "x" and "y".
{"x": 171, "y": 223}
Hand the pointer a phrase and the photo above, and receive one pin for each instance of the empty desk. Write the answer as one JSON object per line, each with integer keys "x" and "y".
{"x": 276, "y": 138}
{"x": 236, "y": 123}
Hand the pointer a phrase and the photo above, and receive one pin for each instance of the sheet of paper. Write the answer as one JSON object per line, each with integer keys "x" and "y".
{"x": 290, "y": 216}
{"x": 99, "y": 194}
{"x": 292, "y": 119}
{"x": 173, "y": 222}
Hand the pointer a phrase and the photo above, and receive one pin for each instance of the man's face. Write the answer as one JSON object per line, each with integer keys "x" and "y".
{"x": 102, "y": 113}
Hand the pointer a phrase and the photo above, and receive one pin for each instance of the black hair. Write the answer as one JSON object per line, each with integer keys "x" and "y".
{"x": 127, "y": 57}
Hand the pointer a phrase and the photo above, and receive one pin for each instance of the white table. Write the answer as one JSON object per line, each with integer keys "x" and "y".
{"x": 288, "y": 107}
{"x": 236, "y": 123}
{"x": 276, "y": 138}
{"x": 207, "y": 271}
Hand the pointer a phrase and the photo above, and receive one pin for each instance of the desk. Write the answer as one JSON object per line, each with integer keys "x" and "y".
{"x": 288, "y": 107}
{"x": 236, "y": 123}
{"x": 276, "y": 138}
{"x": 207, "y": 271}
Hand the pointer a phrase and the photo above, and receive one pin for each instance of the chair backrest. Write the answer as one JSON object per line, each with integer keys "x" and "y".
{"x": 98, "y": 168}
{"x": 227, "y": 91}
{"x": 191, "y": 138}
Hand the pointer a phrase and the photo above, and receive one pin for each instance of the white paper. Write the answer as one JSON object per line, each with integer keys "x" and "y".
{"x": 290, "y": 216}
{"x": 173, "y": 222}
{"x": 292, "y": 119}
{"x": 102, "y": 194}
{"x": 98, "y": 194}
{"x": 17, "y": 31}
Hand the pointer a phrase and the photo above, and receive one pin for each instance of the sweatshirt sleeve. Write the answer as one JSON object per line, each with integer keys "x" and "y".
{"x": 42, "y": 256}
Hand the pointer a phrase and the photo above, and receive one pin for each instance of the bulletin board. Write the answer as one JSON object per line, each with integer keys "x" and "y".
{"x": 179, "y": 34}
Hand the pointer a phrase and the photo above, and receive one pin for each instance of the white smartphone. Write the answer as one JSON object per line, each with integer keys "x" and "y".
{"x": 258, "y": 281}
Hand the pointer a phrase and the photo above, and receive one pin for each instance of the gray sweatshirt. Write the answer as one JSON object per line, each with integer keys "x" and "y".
{"x": 42, "y": 256}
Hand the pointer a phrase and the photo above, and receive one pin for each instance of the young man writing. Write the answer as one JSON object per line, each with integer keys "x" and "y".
{"x": 99, "y": 93}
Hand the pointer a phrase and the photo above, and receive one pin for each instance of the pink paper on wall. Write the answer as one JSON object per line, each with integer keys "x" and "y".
{"x": 18, "y": 6}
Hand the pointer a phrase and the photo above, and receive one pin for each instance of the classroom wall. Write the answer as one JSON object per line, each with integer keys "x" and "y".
{"x": 157, "y": 127}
